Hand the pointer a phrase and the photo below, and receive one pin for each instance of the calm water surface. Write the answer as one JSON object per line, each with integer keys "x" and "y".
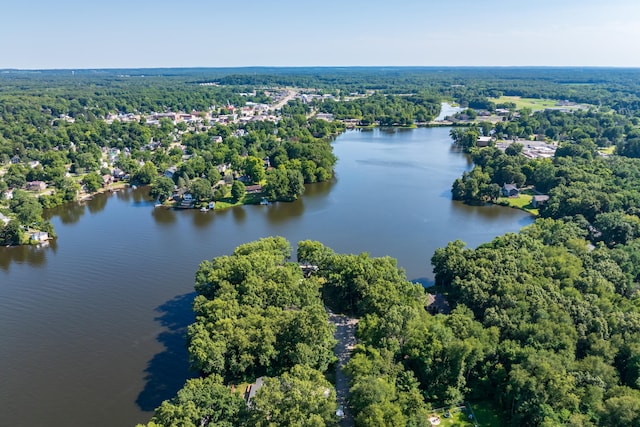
{"x": 91, "y": 328}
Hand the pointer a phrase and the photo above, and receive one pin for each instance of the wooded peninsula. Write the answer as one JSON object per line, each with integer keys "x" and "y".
{"x": 538, "y": 328}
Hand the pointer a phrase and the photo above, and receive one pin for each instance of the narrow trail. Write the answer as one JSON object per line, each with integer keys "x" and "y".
{"x": 346, "y": 336}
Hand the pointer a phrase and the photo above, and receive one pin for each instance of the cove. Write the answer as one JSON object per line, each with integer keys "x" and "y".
{"x": 92, "y": 326}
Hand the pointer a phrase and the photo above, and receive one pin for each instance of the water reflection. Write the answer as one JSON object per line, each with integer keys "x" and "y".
{"x": 34, "y": 256}
{"x": 97, "y": 203}
{"x": 164, "y": 216}
{"x": 318, "y": 189}
{"x": 486, "y": 212}
{"x": 202, "y": 219}
{"x": 69, "y": 213}
{"x": 280, "y": 212}
{"x": 239, "y": 214}
{"x": 167, "y": 371}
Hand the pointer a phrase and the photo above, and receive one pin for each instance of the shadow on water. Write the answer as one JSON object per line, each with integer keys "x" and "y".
{"x": 239, "y": 214}
{"x": 280, "y": 212}
{"x": 34, "y": 256}
{"x": 69, "y": 213}
{"x": 168, "y": 370}
{"x": 163, "y": 215}
{"x": 319, "y": 189}
{"x": 98, "y": 203}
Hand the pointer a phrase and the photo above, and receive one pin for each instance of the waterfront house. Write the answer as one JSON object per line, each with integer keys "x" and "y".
{"x": 39, "y": 236}
{"x": 510, "y": 190}
{"x": 483, "y": 141}
{"x": 36, "y": 185}
{"x": 539, "y": 200}
{"x": 253, "y": 189}
{"x": 106, "y": 180}
{"x": 187, "y": 201}
{"x": 118, "y": 174}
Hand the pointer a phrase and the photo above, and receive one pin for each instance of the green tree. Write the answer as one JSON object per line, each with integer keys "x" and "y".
{"x": 254, "y": 169}
{"x": 201, "y": 189}
{"x": 145, "y": 175}
{"x": 92, "y": 181}
{"x": 162, "y": 188}
{"x": 202, "y": 401}
{"x": 237, "y": 190}
{"x": 10, "y": 234}
{"x": 301, "y": 397}
{"x": 26, "y": 207}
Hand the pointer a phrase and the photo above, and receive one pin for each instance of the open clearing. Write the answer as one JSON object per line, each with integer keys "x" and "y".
{"x": 535, "y": 104}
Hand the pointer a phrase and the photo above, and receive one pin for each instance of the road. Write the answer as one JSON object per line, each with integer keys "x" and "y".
{"x": 346, "y": 337}
{"x": 290, "y": 95}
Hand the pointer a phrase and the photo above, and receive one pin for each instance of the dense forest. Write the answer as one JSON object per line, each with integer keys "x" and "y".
{"x": 540, "y": 326}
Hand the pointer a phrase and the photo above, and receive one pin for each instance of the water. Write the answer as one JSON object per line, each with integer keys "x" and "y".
{"x": 447, "y": 110}
{"x": 92, "y": 327}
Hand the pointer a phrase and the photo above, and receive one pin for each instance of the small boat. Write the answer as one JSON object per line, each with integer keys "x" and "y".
{"x": 203, "y": 209}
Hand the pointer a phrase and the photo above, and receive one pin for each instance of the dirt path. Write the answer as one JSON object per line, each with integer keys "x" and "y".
{"x": 346, "y": 336}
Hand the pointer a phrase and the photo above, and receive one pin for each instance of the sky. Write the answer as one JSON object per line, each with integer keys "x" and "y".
{"x": 76, "y": 34}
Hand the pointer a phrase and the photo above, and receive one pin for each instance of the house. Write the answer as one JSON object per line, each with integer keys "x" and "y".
{"x": 253, "y": 189}
{"x": 308, "y": 269}
{"x": 34, "y": 164}
{"x": 217, "y": 139}
{"x": 36, "y": 185}
{"x": 252, "y": 389}
{"x": 539, "y": 200}
{"x": 187, "y": 201}
{"x": 170, "y": 172}
{"x": 325, "y": 116}
{"x": 106, "y": 180}
{"x": 15, "y": 160}
{"x": 510, "y": 190}
{"x": 8, "y": 195}
{"x": 483, "y": 141}
{"x": 39, "y": 236}
{"x": 4, "y": 219}
{"x": 118, "y": 174}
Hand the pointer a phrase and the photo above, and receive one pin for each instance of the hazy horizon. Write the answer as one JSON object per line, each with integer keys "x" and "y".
{"x": 74, "y": 34}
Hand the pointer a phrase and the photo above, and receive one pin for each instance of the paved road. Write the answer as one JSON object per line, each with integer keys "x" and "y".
{"x": 346, "y": 336}
{"x": 290, "y": 95}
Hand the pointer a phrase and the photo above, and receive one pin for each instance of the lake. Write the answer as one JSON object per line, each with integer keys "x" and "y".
{"x": 92, "y": 326}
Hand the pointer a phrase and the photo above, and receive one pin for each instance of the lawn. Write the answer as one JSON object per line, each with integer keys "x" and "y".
{"x": 487, "y": 415}
{"x": 248, "y": 199}
{"x": 455, "y": 416}
{"x": 484, "y": 412}
{"x": 607, "y": 150}
{"x": 523, "y": 201}
{"x": 533, "y": 103}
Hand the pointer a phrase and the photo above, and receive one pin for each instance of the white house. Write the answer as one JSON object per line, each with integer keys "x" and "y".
{"x": 39, "y": 236}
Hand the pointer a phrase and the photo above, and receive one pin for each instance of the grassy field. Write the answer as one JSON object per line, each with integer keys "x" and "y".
{"x": 532, "y": 103}
{"x": 523, "y": 201}
{"x": 486, "y": 416}
{"x": 607, "y": 150}
{"x": 248, "y": 199}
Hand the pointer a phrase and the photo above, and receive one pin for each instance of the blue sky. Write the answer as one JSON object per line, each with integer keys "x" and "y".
{"x": 158, "y": 33}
